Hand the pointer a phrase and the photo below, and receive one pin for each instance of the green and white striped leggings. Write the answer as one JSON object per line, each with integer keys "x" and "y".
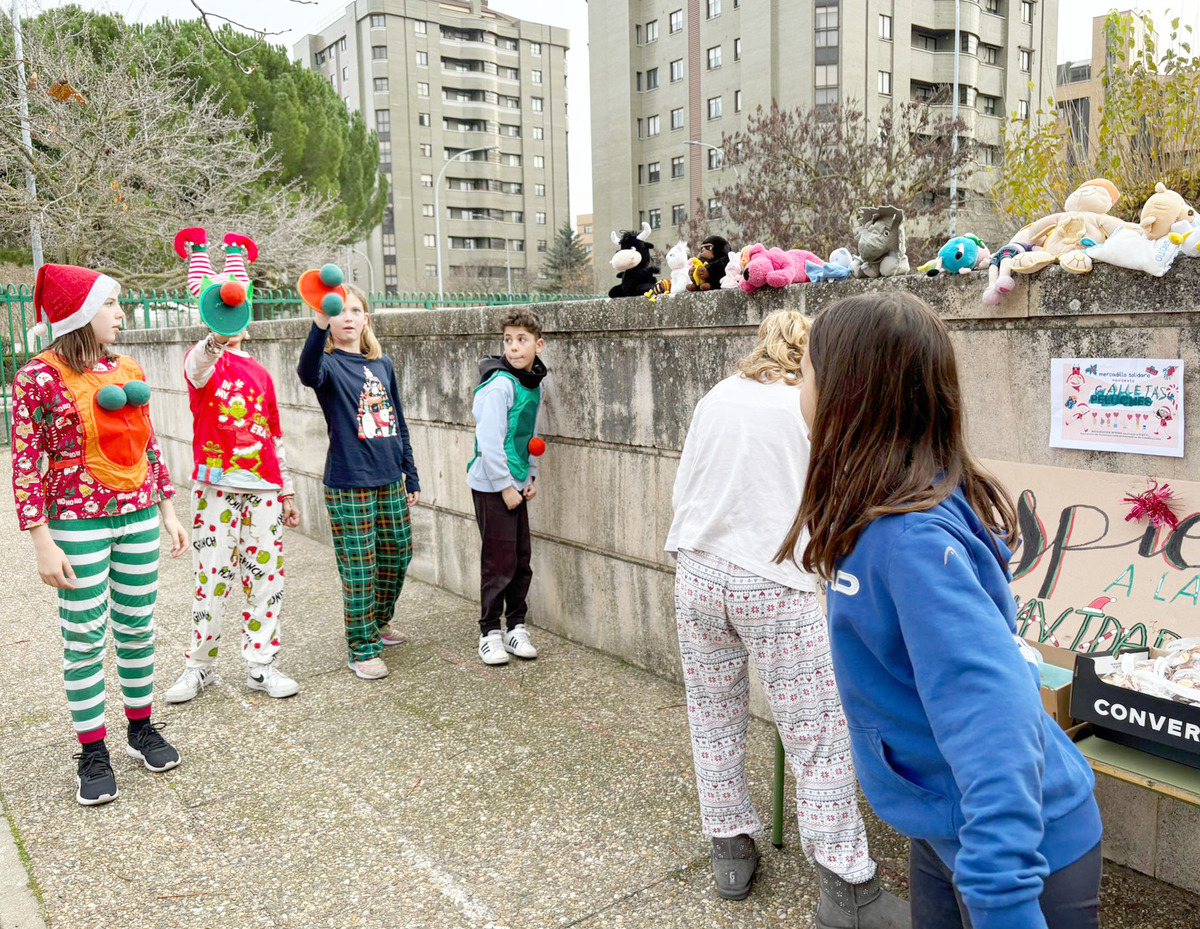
{"x": 115, "y": 559}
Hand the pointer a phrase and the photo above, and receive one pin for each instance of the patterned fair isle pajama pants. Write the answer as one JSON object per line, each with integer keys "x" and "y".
{"x": 237, "y": 542}
{"x": 115, "y": 559}
{"x": 372, "y": 541}
{"x": 724, "y": 615}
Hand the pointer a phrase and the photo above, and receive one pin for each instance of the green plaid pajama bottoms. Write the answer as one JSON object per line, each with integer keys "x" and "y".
{"x": 372, "y": 539}
{"x": 115, "y": 559}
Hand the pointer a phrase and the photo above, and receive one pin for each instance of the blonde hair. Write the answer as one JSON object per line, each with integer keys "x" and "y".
{"x": 782, "y": 339}
{"x": 368, "y": 344}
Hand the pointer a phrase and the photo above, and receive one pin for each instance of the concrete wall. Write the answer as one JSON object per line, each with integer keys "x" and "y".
{"x": 625, "y": 376}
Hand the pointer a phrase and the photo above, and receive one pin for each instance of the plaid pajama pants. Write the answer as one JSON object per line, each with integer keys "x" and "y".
{"x": 372, "y": 540}
{"x": 115, "y": 559}
{"x": 724, "y": 615}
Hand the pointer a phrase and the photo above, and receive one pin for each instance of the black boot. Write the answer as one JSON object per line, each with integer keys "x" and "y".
{"x": 858, "y": 906}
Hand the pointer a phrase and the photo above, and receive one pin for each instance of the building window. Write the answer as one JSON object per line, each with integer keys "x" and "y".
{"x": 652, "y": 31}
{"x": 1022, "y": 109}
{"x": 827, "y": 76}
{"x": 422, "y": 59}
{"x": 539, "y": 161}
{"x": 320, "y": 58}
{"x": 539, "y": 218}
{"x": 539, "y": 190}
{"x": 677, "y": 118}
{"x": 991, "y": 105}
{"x": 737, "y": 49}
{"x": 714, "y": 57}
{"x": 652, "y": 126}
{"x": 966, "y": 95}
{"x": 714, "y": 107}
{"x": 992, "y": 6}
{"x": 535, "y": 76}
{"x": 677, "y": 166}
{"x": 539, "y": 132}
{"x": 989, "y": 155}
{"x": 991, "y": 54}
{"x": 676, "y": 70}
{"x": 342, "y": 44}
{"x": 536, "y": 104}
{"x": 541, "y": 245}
{"x": 969, "y": 43}
{"x": 430, "y": 241}
{"x": 678, "y": 214}
{"x": 885, "y": 26}
{"x": 1026, "y": 60}
{"x": 426, "y": 149}
{"x": 655, "y": 218}
{"x": 422, "y": 89}
{"x": 333, "y": 80}
{"x": 714, "y": 208}
{"x": 714, "y": 159}
{"x": 652, "y": 79}
{"x": 426, "y": 180}
{"x": 420, "y": 27}
{"x": 535, "y": 48}
{"x": 379, "y": 52}
{"x": 885, "y": 83}
{"x": 653, "y": 172}
{"x": 427, "y": 209}
{"x": 714, "y": 8}
{"x": 827, "y": 27}
{"x": 383, "y": 123}
{"x": 381, "y": 85}
{"x": 345, "y": 74}
{"x": 737, "y": 101}
{"x": 513, "y": 161}
{"x": 424, "y": 120}
{"x": 1026, "y": 11}
{"x": 378, "y": 20}
{"x": 676, "y": 22}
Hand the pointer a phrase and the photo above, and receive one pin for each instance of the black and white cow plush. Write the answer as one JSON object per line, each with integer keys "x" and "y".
{"x": 632, "y": 263}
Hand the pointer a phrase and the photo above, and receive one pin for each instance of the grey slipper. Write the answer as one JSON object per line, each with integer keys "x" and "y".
{"x": 734, "y": 862}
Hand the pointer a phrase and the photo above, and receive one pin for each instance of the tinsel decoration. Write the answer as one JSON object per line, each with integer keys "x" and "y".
{"x": 1155, "y": 503}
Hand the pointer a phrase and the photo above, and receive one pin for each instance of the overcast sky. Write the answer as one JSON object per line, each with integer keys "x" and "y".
{"x": 1074, "y": 41}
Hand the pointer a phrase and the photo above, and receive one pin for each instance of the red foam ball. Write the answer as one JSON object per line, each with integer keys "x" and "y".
{"x": 233, "y": 293}
{"x": 537, "y": 446}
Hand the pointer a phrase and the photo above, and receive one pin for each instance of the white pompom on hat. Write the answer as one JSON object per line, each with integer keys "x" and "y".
{"x": 67, "y": 298}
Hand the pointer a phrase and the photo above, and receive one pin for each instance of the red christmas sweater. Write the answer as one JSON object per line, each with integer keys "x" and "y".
{"x": 235, "y": 421}
{"x": 48, "y": 436}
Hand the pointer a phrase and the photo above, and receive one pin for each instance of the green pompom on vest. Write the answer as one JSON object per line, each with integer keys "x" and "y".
{"x": 522, "y": 420}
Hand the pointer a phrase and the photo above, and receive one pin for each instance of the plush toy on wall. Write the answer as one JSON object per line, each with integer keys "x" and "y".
{"x": 881, "y": 246}
{"x": 1162, "y": 210}
{"x": 961, "y": 255}
{"x": 736, "y": 263}
{"x": 632, "y": 263}
{"x": 837, "y": 268}
{"x": 677, "y": 261}
{"x": 1129, "y": 247}
{"x": 774, "y": 267}
{"x": 713, "y": 257}
{"x": 1187, "y": 238}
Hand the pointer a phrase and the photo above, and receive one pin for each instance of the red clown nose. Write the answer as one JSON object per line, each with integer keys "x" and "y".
{"x": 537, "y": 446}
{"x": 233, "y": 293}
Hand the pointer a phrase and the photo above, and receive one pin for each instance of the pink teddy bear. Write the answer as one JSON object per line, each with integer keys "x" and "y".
{"x": 774, "y": 267}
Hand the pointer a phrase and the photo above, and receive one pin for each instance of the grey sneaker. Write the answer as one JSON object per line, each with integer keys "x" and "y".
{"x": 734, "y": 862}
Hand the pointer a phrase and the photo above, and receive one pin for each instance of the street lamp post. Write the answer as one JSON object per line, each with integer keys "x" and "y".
{"x": 370, "y": 267}
{"x": 954, "y": 117}
{"x": 35, "y": 229}
{"x": 437, "y": 210}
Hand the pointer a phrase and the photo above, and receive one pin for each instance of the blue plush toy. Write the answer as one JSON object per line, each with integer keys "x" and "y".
{"x": 961, "y": 255}
{"x": 837, "y": 268}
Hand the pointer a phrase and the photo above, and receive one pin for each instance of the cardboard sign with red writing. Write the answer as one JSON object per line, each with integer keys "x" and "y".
{"x": 1087, "y": 579}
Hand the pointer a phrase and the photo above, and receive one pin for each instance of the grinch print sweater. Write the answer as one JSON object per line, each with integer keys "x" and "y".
{"x": 47, "y": 430}
{"x": 368, "y": 438}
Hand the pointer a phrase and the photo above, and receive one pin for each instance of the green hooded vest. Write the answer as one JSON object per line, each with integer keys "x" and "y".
{"x": 522, "y": 420}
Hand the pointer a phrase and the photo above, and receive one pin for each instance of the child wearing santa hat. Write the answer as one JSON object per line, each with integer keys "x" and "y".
{"x": 242, "y": 493}
{"x": 88, "y": 476}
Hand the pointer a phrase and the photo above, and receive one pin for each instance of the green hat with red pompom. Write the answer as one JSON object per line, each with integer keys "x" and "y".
{"x": 225, "y": 306}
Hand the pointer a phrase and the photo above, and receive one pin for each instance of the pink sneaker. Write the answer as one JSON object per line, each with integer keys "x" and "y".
{"x": 372, "y": 669}
{"x": 390, "y": 635}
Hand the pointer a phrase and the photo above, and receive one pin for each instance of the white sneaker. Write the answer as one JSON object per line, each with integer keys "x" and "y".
{"x": 190, "y": 683}
{"x": 491, "y": 649}
{"x": 516, "y": 642}
{"x": 269, "y": 678}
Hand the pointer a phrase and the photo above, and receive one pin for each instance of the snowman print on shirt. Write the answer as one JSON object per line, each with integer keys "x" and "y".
{"x": 376, "y": 418}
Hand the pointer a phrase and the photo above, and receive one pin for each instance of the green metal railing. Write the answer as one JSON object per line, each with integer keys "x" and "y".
{"x": 166, "y": 309}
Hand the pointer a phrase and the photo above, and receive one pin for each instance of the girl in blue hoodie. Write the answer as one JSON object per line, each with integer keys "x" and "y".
{"x": 947, "y": 730}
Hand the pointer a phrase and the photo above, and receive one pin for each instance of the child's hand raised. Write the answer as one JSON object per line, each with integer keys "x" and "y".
{"x": 291, "y": 513}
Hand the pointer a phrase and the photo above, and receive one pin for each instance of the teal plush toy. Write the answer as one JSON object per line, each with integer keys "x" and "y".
{"x": 961, "y": 255}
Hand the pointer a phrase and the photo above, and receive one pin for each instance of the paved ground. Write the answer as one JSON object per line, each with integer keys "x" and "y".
{"x": 549, "y": 793}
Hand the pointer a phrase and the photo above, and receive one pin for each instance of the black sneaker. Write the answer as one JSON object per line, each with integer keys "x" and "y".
{"x": 95, "y": 778}
{"x": 147, "y": 745}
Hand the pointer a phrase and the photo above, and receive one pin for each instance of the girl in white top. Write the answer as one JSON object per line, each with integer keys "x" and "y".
{"x": 738, "y": 487}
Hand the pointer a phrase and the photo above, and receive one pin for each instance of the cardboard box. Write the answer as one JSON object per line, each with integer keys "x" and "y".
{"x": 1056, "y": 693}
{"x": 1166, "y": 728}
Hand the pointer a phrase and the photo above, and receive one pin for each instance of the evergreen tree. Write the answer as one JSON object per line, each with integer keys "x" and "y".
{"x": 567, "y": 268}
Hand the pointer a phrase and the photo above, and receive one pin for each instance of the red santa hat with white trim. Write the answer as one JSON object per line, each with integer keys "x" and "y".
{"x": 67, "y": 297}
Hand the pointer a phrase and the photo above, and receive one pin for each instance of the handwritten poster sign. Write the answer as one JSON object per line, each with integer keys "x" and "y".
{"x": 1117, "y": 405}
{"x": 1087, "y": 579}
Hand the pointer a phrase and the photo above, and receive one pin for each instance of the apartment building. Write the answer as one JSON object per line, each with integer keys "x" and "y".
{"x": 669, "y": 77}
{"x": 438, "y": 79}
{"x": 584, "y": 229}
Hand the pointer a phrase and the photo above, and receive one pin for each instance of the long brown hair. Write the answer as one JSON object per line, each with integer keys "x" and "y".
{"x": 889, "y": 434}
{"x": 368, "y": 343}
{"x": 80, "y": 350}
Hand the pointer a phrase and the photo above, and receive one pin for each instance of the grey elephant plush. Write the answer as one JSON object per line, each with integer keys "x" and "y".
{"x": 881, "y": 250}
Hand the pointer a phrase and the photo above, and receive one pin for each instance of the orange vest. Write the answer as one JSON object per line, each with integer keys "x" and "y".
{"x": 115, "y": 441}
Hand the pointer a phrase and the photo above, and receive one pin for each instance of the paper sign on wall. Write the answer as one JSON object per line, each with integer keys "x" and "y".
{"x": 1117, "y": 405}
